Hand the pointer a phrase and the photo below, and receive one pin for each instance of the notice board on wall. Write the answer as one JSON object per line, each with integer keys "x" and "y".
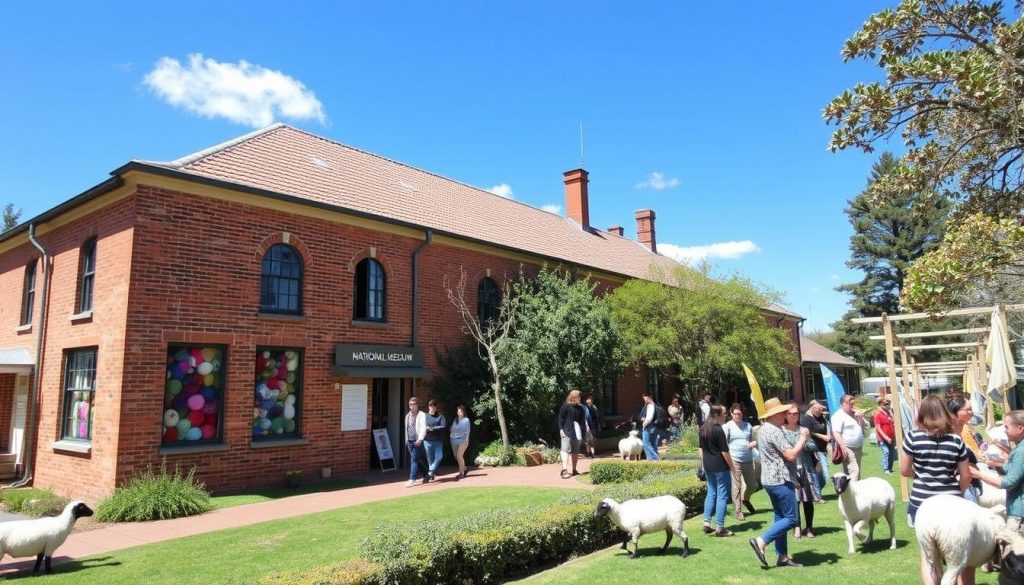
{"x": 353, "y": 407}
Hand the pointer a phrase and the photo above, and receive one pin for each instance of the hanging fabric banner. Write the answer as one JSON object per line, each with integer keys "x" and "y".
{"x": 833, "y": 388}
{"x": 1002, "y": 373}
{"x": 755, "y": 391}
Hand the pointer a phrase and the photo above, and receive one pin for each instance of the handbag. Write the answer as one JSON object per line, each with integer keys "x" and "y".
{"x": 837, "y": 453}
{"x": 700, "y": 473}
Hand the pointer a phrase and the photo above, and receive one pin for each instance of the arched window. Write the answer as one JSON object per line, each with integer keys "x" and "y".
{"x": 370, "y": 288}
{"x": 28, "y": 297}
{"x": 488, "y": 297}
{"x": 87, "y": 271}
{"x": 281, "y": 280}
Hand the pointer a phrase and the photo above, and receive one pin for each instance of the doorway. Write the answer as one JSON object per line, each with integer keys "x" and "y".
{"x": 386, "y": 413}
{"x": 18, "y": 416}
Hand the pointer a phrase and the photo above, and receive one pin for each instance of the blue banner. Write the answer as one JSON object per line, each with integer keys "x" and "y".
{"x": 833, "y": 388}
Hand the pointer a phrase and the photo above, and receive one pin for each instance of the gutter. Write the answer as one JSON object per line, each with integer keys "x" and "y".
{"x": 416, "y": 282}
{"x": 28, "y": 439}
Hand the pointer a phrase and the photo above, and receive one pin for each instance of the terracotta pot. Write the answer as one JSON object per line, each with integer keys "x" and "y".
{"x": 533, "y": 458}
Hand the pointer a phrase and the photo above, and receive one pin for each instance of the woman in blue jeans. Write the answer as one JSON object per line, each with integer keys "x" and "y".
{"x": 714, "y": 457}
{"x": 433, "y": 443}
{"x": 778, "y": 471}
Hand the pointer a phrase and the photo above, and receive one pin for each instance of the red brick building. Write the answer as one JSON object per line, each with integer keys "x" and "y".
{"x": 261, "y": 306}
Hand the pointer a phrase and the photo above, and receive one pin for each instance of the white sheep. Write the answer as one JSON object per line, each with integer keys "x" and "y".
{"x": 991, "y": 497}
{"x": 638, "y": 517}
{"x": 863, "y": 502}
{"x": 960, "y": 532}
{"x": 40, "y": 536}
{"x": 631, "y": 447}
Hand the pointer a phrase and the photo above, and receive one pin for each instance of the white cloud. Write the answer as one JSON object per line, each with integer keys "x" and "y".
{"x": 833, "y": 277}
{"x": 695, "y": 254}
{"x": 552, "y": 208}
{"x": 658, "y": 182}
{"x": 241, "y": 92}
{"x": 503, "y": 190}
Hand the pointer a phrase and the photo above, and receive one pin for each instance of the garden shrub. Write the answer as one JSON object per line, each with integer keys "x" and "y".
{"x": 622, "y": 471}
{"x": 156, "y": 496}
{"x": 351, "y": 572}
{"x": 688, "y": 443}
{"x": 33, "y": 501}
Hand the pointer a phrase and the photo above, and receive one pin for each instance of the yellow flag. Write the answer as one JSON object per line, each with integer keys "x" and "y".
{"x": 755, "y": 391}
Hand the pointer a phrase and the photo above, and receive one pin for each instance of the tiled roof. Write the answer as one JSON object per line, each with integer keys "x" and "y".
{"x": 292, "y": 162}
{"x": 817, "y": 353}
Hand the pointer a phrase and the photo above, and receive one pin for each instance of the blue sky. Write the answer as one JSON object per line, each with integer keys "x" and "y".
{"x": 709, "y": 113}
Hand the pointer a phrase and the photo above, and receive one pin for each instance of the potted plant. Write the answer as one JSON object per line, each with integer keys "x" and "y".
{"x": 293, "y": 477}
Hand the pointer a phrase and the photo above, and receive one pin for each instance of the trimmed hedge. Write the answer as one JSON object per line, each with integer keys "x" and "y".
{"x": 623, "y": 471}
{"x": 492, "y": 546}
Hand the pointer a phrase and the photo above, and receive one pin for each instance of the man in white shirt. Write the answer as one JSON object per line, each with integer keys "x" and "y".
{"x": 705, "y": 407}
{"x": 848, "y": 426}
{"x": 651, "y": 434}
{"x": 415, "y": 431}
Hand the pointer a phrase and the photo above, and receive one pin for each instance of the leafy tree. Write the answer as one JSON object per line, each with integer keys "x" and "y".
{"x": 888, "y": 235}
{"x": 953, "y": 91}
{"x": 11, "y": 216}
{"x": 703, "y": 328}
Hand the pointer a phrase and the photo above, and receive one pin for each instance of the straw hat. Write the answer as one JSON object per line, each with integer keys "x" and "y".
{"x": 882, "y": 399}
{"x": 774, "y": 406}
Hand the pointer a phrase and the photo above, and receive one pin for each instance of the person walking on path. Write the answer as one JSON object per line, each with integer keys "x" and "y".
{"x": 1013, "y": 481}
{"x": 778, "y": 470}
{"x": 459, "y": 436}
{"x": 415, "y": 431}
{"x": 885, "y": 432}
{"x": 714, "y": 457}
{"x": 704, "y": 408}
{"x": 675, "y": 415}
{"x": 740, "y": 436}
{"x": 815, "y": 420}
{"x": 936, "y": 458}
{"x": 571, "y": 424}
{"x": 803, "y": 480}
{"x": 651, "y": 433}
{"x": 593, "y": 426}
{"x": 433, "y": 443}
{"x": 848, "y": 426}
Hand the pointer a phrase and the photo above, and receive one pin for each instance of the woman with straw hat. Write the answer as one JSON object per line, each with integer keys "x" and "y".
{"x": 778, "y": 474}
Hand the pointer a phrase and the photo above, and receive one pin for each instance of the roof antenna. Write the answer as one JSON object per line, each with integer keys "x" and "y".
{"x": 581, "y": 144}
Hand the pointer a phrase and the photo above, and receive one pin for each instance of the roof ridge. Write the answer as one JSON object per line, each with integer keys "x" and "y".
{"x": 196, "y": 156}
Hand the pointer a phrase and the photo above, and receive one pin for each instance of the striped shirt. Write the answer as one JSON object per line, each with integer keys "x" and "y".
{"x": 935, "y": 464}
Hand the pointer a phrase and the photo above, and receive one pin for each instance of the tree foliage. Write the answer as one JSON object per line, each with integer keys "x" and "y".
{"x": 703, "y": 328}
{"x": 11, "y": 216}
{"x": 888, "y": 236}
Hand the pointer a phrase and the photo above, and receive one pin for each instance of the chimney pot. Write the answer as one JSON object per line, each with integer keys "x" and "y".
{"x": 576, "y": 205}
{"x": 616, "y": 229}
{"x": 645, "y": 229}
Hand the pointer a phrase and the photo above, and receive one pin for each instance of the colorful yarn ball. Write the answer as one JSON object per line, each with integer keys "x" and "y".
{"x": 290, "y": 378}
{"x": 289, "y": 412}
{"x": 173, "y": 386}
{"x": 171, "y": 418}
{"x": 277, "y": 425}
{"x": 209, "y": 431}
{"x": 170, "y": 435}
{"x": 190, "y": 389}
{"x": 196, "y": 402}
{"x": 289, "y": 426}
{"x": 183, "y": 426}
{"x": 208, "y": 393}
{"x": 209, "y": 380}
{"x": 290, "y": 399}
{"x": 196, "y": 355}
{"x": 216, "y": 365}
{"x": 283, "y": 392}
{"x": 181, "y": 356}
{"x": 293, "y": 364}
{"x": 282, "y": 370}
{"x": 271, "y": 364}
{"x": 204, "y": 368}
{"x": 265, "y": 423}
{"x": 210, "y": 354}
{"x": 277, "y": 411}
{"x": 194, "y": 434}
{"x": 210, "y": 420}
{"x": 266, "y": 355}
{"x": 180, "y": 402}
{"x": 274, "y": 383}
{"x": 179, "y": 370}
{"x": 196, "y": 418}
{"x": 211, "y": 406}
{"x": 268, "y": 404}
{"x": 257, "y": 430}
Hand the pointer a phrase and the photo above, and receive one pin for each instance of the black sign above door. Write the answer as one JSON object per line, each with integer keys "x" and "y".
{"x": 353, "y": 360}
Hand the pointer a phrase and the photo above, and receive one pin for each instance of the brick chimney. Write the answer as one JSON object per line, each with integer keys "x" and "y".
{"x": 645, "y": 229}
{"x": 616, "y": 229}
{"x": 576, "y": 205}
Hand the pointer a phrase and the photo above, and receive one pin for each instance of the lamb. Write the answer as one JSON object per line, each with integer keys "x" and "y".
{"x": 638, "y": 517}
{"x": 960, "y": 532}
{"x": 864, "y": 502}
{"x": 41, "y": 536}
{"x": 1011, "y": 556}
{"x": 631, "y": 447}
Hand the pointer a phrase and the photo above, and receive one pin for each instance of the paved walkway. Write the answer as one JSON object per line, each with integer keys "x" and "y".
{"x": 381, "y": 486}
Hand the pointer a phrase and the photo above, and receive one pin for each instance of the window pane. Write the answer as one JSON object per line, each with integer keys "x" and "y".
{"x": 79, "y": 386}
{"x": 281, "y": 280}
{"x": 370, "y": 290}
{"x": 277, "y": 396}
{"x": 193, "y": 394}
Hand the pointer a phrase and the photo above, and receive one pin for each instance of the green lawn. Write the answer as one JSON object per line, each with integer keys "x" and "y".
{"x": 732, "y": 561}
{"x": 255, "y": 497}
{"x": 241, "y": 554}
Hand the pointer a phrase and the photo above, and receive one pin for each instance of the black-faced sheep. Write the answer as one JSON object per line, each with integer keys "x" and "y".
{"x": 41, "y": 536}
{"x": 864, "y": 502}
{"x": 631, "y": 447}
{"x": 961, "y": 533}
{"x": 638, "y": 517}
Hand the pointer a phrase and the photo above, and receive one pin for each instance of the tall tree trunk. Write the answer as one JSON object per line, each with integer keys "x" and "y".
{"x": 496, "y": 386}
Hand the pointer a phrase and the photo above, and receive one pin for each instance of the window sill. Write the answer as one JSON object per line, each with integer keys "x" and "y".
{"x": 83, "y": 316}
{"x": 280, "y": 317}
{"x": 23, "y": 328}
{"x": 195, "y": 449}
{"x": 72, "y": 447}
{"x": 369, "y": 322}
{"x": 269, "y": 443}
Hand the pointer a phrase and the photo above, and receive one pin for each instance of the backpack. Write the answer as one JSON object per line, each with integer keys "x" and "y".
{"x": 661, "y": 419}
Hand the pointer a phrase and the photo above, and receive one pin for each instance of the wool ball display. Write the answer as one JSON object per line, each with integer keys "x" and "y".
{"x": 204, "y": 368}
{"x": 171, "y": 418}
{"x": 196, "y": 418}
{"x": 289, "y": 426}
{"x": 293, "y": 364}
{"x": 216, "y": 365}
{"x": 210, "y": 354}
{"x": 210, "y": 420}
{"x": 209, "y": 380}
{"x": 190, "y": 390}
{"x": 170, "y": 435}
{"x": 277, "y": 411}
{"x": 178, "y": 371}
{"x": 196, "y": 355}
{"x": 210, "y": 407}
{"x": 290, "y": 378}
{"x": 183, "y": 426}
{"x": 266, "y": 355}
{"x": 208, "y": 393}
{"x": 291, "y": 354}
{"x": 289, "y": 412}
{"x": 180, "y": 402}
{"x": 173, "y": 386}
{"x": 277, "y": 425}
{"x": 257, "y": 429}
{"x": 209, "y": 431}
{"x": 268, "y": 404}
{"x": 194, "y": 434}
{"x": 271, "y": 364}
{"x": 196, "y": 402}
{"x": 290, "y": 399}
{"x": 274, "y": 383}
{"x": 181, "y": 356}
{"x": 265, "y": 423}
{"x": 282, "y": 370}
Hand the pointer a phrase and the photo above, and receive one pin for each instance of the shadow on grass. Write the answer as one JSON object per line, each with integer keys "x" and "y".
{"x": 263, "y": 495}
{"x": 812, "y": 558}
{"x": 674, "y": 550}
{"x": 68, "y": 566}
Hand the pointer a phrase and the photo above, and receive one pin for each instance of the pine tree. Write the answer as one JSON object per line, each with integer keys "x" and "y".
{"x": 888, "y": 235}
{"x": 11, "y": 216}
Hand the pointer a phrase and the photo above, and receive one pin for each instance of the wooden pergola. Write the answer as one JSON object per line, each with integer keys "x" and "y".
{"x": 911, "y": 373}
